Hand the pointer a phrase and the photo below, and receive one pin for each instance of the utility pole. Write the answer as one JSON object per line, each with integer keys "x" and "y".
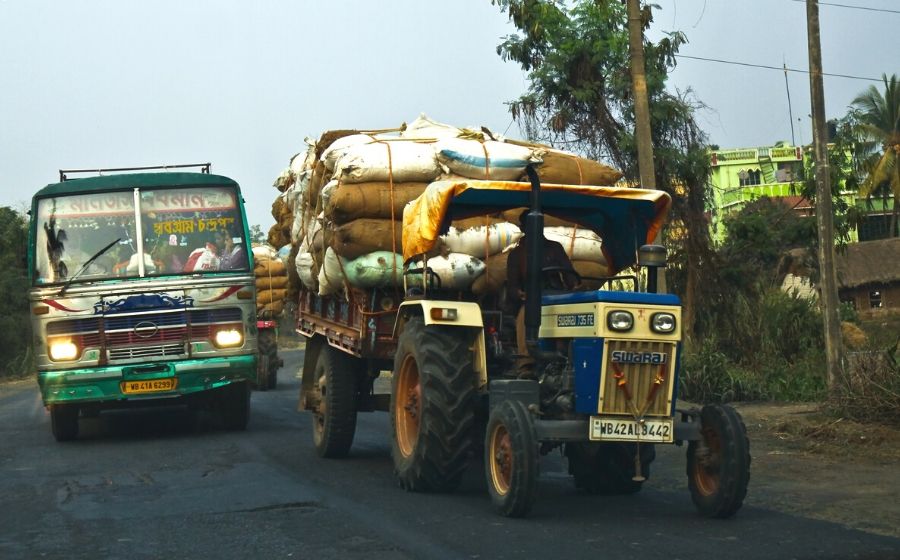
{"x": 641, "y": 102}
{"x": 824, "y": 212}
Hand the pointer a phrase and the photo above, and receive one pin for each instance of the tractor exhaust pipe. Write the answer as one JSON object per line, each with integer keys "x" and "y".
{"x": 534, "y": 236}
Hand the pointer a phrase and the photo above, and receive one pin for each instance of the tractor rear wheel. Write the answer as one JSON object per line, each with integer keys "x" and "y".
{"x": 432, "y": 406}
{"x": 608, "y": 468}
{"x": 511, "y": 459}
{"x": 334, "y": 418}
{"x": 718, "y": 466}
{"x": 64, "y": 421}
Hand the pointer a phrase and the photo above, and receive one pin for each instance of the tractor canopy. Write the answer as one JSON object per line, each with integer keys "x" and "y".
{"x": 624, "y": 218}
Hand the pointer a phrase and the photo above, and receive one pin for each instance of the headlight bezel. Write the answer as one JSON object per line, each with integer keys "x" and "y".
{"x": 663, "y": 315}
{"x": 620, "y": 320}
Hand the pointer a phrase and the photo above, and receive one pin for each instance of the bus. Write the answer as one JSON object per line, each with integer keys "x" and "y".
{"x": 142, "y": 294}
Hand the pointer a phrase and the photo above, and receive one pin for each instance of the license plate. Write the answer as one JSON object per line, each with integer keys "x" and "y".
{"x": 149, "y": 386}
{"x": 657, "y": 430}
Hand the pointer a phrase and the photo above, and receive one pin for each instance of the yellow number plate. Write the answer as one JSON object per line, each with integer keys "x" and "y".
{"x": 149, "y": 386}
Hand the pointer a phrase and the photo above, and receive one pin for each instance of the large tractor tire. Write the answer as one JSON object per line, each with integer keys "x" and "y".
{"x": 432, "y": 406}
{"x": 511, "y": 459}
{"x": 234, "y": 405}
{"x": 608, "y": 468}
{"x": 267, "y": 368}
{"x": 718, "y": 466}
{"x": 335, "y": 380}
{"x": 64, "y": 421}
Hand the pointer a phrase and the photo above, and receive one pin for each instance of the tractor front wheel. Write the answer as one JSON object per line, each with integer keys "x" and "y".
{"x": 267, "y": 368}
{"x": 718, "y": 465}
{"x": 511, "y": 459}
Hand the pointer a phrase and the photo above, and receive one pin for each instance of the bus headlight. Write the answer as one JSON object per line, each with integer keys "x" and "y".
{"x": 662, "y": 323}
{"x": 620, "y": 320}
{"x": 228, "y": 338}
{"x": 63, "y": 350}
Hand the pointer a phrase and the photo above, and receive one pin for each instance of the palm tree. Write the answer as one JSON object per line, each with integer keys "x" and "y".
{"x": 879, "y": 117}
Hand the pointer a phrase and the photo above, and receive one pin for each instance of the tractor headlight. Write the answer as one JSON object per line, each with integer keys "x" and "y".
{"x": 229, "y": 337}
{"x": 63, "y": 350}
{"x": 662, "y": 322}
{"x": 620, "y": 320}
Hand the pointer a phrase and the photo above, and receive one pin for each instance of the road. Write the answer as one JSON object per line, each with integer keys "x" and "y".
{"x": 165, "y": 484}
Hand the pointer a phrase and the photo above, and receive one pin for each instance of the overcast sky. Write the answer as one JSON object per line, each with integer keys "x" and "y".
{"x": 240, "y": 84}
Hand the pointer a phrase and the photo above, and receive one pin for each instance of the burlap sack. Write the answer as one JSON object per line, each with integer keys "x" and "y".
{"x": 569, "y": 169}
{"x": 364, "y": 235}
{"x": 269, "y": 310}
{"x": 494, "y": 276}
{"x": 269, "y": 268}
{"x": 276, "y": 236}
{"x": 588, "y": 270}
{"x": 269, "y": 283}
{"x": 370, "y": 200}
{"x": 268, "y": 296}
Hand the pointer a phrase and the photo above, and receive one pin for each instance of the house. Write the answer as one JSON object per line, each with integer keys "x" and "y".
{"x": 868, "y": 275}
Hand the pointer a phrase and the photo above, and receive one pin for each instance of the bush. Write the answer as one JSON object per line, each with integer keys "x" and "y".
{"x": 15, "y": 327}
{"x": 869, "y": 390}
{"x": 710, "y": 376}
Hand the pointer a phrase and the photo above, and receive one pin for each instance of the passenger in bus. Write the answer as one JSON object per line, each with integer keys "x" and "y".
{"x": 203, "y": 258}
{"x": 234, "y": 257}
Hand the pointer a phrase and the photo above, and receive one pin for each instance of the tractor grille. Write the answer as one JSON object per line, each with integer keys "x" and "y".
{"x": 640, "y": 379}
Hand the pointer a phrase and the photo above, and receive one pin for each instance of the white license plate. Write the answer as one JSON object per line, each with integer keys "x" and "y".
{"x": 657, "y": 430}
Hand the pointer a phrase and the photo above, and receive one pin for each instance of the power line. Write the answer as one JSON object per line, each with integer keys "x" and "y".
{"x": 780, "y": 69}
{"x": 867, "y": 8}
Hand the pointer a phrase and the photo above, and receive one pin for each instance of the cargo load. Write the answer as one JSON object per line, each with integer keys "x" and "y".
{"x": 341, "y": 203}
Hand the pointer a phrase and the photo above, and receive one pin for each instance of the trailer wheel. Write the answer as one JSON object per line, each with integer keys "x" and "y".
{"x": 718, "y": 466}
{"x": 432, "y": 406}
{"x": 234, "y": 405}
{"x": 267, "y": 368}
{"x": 511, "y": 459}
{"x": 608, "y": 468}
{"x": 64, "y": 421}
{"x": 334, "y": 418}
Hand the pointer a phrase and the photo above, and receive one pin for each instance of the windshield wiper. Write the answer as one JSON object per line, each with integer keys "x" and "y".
{"x": 86, "y": 264}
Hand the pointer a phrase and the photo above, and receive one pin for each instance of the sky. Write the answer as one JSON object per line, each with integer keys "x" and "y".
{"x": 91, "y": 83}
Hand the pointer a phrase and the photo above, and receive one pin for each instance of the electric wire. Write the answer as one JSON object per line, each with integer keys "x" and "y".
{"x": 867, "y": 8}
{"x": 779, "y": 68}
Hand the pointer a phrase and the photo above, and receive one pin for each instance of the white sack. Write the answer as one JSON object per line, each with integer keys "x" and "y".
{"x": 331, "y": 279}
{"x": 489, "y": 160}
{"x": 410, "y": 162}
{"x": 482, "y": 240}
{"x": 456, "y": 271}
{"x": 584, "y": 245}
{"x": 375, "y": 270}
{"x": 339, "y": 147}
{"x": 423, "y": 127}
{"x": 305, "y": 266}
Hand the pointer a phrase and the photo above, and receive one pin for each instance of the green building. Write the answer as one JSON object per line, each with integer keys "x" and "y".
{"x": 742, "y": 175}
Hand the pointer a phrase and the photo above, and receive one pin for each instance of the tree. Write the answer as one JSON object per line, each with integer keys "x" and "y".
{"x": 15, "y": 328}
{"x": 580, "y": 98}
{"x": 256, "y": 234}
{"x": 879, "y": 122}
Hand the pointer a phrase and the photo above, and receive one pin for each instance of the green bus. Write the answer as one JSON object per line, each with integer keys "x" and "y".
{"x": 142, "y": 293}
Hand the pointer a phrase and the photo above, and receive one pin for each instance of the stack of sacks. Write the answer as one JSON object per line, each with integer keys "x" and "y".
{"x": 343, "y": 197}
{"x": 271, "y": 282}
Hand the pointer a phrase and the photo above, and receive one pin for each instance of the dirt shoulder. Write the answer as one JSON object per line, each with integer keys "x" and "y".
{"x": 818, "y": 466}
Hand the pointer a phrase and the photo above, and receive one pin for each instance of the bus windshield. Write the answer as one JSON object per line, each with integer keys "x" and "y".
{"x": 188, "y": 230}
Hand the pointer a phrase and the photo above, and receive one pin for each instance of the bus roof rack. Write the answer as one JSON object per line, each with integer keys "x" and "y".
{"x": 64, "y": 173}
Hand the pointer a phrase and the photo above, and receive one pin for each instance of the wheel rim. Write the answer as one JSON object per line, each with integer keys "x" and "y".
{"x": 321, "y": 409}
{"x": 501, "y": 459}
{"x": 707, "y": 461}
{"x": 408, "y": 407}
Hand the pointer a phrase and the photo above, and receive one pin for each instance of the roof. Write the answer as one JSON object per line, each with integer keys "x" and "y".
{"x": 869, "y": 262}
{"x": 128, "y": 181}
{"x": 624, "y": 218}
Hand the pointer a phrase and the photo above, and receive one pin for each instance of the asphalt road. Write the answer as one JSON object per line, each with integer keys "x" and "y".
{"x": 165, "y": 484}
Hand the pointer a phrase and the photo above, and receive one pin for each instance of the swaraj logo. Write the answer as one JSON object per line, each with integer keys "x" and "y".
{"x": 625, "y": 357}
{"x": 575, "y": 320}
{"x": 142, "y": 302}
